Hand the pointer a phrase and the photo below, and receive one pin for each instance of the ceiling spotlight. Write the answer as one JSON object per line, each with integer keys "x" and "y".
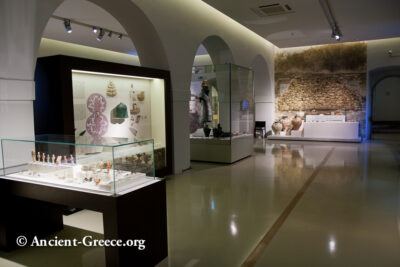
{"x": 336, "y": 33}
{"x": 67, "y": 25}
{"x": 110, "y": 34}
{"x": 94, "y": 30}
{"x": 120, "y": 36}
{"x": 100, "y": 36}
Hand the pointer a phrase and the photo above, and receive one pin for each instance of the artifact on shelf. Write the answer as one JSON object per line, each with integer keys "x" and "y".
{"x": 43, "y": 157}
{"x": 217, "y": 132}
{"x": 121, "y": 111}
{"x": 97, "y": 123}
{"x": 277, "y": 127}
{"x": 38, "y": 156}
{"x": 72, "y": 159}
{"x": 111, "y": 90}
{"x": 33, "y": 156}
{"x": 296, "y": 123}
{"x": 138, "y": 118}
{"x": 207, "y": 130}
{"x": 58, "y": 161}
{"x": 204, "y": 98}
{"x": 108, "y": 167}
{"x": 53, "y": 158}
{"x": 286, "y": 123}
{"x": 140, "y": 96}
{"x": 135, "y": 109}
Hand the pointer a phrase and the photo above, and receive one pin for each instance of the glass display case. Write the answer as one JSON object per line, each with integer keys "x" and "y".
{"x": 105, "y": 165}
{"x": 97, "y": 99}
{"x": 221, "y": 111}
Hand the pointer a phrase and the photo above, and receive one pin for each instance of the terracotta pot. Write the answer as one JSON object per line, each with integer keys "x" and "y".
{"x": 296, "y": 122}
{"x": 287, "y": 123}
{"x": 277, "y": 127}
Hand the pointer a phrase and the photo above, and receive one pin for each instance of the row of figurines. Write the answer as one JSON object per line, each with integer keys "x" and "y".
{"x": 42, "y": 157}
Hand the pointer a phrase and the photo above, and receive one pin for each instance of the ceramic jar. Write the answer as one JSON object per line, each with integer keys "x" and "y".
{"x": 277, "y": 127}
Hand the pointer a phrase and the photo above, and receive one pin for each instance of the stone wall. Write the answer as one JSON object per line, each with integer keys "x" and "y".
{"x": 342, "y": 90}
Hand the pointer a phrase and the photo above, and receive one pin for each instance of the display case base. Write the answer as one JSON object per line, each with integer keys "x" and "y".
{"x": 36, "y": 210}
{"x": 221, "y": 150}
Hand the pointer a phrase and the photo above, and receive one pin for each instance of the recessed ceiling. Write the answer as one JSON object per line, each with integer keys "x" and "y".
{"x": 305, "y": 23}
{"x": 88, "y": 13}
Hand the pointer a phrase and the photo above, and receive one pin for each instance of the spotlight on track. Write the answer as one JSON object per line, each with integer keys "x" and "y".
{"x": 67, "y": 25}
{"x": 110, "y": 34}
{"x": 94, "y": 29}
{"x": 100, "y": 36}
{"x": 336, "y": 33}
{"x": 120, "y": 36}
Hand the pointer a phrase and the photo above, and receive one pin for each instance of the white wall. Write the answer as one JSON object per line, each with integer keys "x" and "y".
{"x": 202, "y": 60}
{"x": 377, "y": 53}
{"x": 20, "y": 25}
{"x": 50, "y": 47}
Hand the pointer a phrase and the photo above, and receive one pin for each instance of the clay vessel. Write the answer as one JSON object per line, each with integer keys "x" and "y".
{"x": 277, "y": 127}
{"x": 287, "y": 123}
{"x": 296, "y": 122}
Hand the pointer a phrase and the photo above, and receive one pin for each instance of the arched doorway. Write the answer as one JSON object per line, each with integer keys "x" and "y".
{"x": 386, "y": 95}
{"x": 135, "y": 23}
{"x": 383, "y": 111}
{"x": 212, "y": 51}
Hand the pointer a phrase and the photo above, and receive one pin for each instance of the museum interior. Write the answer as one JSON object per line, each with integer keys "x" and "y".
{"x": 200, "y": 133}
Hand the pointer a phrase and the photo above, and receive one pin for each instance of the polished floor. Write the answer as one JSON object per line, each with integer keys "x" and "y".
{"x": 290, "y": 204}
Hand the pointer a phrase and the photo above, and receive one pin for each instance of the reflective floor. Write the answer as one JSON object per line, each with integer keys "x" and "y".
{"x": 299, "y": 204}
{"x": 347, "y": 216}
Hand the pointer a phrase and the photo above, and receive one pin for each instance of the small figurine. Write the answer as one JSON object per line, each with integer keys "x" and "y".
{"x": 33, "y": 156}
{"x": 101, "y": 165}
{"x": 72, "y": 159}
{"x": 53, "y": 158}
{"x": 65, "y": 160}
{"x": 48, "y": 158}
{"x": 38, "y": 156}
{"x": 58, "y": 161}
{"x": 108, "y": 167}
{"x": 94, "y": 170}
{"x": 96, "y": 180}
{"x": 43, "y": 157}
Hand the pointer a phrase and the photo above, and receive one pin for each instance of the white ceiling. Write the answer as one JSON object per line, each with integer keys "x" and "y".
{"x": 358, "y": 20}
{"x": 307, "y": 25}
{"x": 88, "y": 13}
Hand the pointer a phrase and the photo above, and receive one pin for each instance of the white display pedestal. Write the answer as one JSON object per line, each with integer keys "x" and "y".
{"x": 332, "y": 130}
{"x": 325, "y": 131}
{"x": 221, "y": 150}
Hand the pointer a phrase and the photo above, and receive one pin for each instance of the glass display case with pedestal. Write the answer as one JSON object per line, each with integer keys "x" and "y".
{"x": 84, "y": 97}
{"x": 107, "y": 166}
{"x": 221, "y": 113}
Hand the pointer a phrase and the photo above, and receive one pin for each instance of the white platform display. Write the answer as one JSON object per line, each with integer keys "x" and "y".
{"x": 329, "y": 131}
